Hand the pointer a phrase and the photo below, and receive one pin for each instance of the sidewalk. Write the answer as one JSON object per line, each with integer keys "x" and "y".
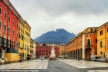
{"x": 99, "y": 60}
{"x": 16, "y": 62}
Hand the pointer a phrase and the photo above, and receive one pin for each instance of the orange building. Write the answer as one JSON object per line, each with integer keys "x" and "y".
{"x": 89, "y": 42}
{"x": 84, "y": 45}
{"x": 62, "y": 50}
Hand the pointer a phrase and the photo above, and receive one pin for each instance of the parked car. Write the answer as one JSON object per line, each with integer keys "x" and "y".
{"x": 94, "y": 57}
{"x": 42, "y": 58}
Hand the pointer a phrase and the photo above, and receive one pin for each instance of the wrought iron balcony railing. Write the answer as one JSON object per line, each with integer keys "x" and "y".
{"x": 88, "y": 45}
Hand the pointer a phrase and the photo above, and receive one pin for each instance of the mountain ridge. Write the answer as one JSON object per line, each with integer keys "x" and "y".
{"x": 60, "y": 36}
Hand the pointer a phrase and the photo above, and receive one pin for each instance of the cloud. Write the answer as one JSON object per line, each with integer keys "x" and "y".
{"x": 72, "y": 15}
{"x": 77, "y": 6}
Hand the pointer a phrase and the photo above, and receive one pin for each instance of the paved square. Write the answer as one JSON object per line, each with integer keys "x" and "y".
{"x": 59, "y": 65}
{"x": 90, "y": 66}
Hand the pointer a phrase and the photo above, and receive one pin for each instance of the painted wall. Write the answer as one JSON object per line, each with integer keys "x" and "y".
{"x": 12, "y": 57}
{"x": 102, "y": 51}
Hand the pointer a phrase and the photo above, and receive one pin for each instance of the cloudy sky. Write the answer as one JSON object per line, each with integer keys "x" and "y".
{"x": 72, "y": 15}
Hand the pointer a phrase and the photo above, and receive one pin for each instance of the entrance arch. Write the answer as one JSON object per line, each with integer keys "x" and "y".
{"x": 88, "y": 53}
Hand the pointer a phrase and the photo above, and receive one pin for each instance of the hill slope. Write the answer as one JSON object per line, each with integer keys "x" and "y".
{"x": 60, "y": 36}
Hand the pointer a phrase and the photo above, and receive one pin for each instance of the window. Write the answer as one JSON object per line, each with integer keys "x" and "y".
{"x": 94, "y": 30}
{"x": 4, "y": 26}
{"x": 0, "y": 40}
{"x": 8, "y": 18}
{"x": 22, "y": 37}
{"x": 91, "y": 30}
{"x": 17, "y": 25}
{"x": 100, "y": 43}
{"x": 17, "y": 34}
{"x": 13, "y": 32}
{"x": 101, "y": 32}
{"x": 5, "y": 5}
{"x": 96, "y": 40}
{"x": 13, "y": 43}
{"x": 88, "y": 42}
{"x": 5, "y": 40}
{"x": 5, "y": 14}
{"x": 0, "y": 0}
{"x": 19, "y": 28}
{"x": 0, "y": 10}
{"x": 107, "y": 29}
{"x": 0, "y": 24}
{"x": 8, "y": 29}
{"x": 88, "y": 35}
{"x": 100, "y": 53}
{"x": 8, "y": 42}
{"x": 19, "y": 44}
{"x": 16, "y": 45}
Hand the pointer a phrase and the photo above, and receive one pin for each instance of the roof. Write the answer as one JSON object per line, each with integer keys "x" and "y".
{"x": 27, "y": 24}
{"x": 102, "y": 25}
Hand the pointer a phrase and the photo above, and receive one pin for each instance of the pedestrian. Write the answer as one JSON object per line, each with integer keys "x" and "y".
{"x": 78, "y": 58}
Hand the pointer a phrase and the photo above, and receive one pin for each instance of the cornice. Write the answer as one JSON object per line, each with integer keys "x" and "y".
{"x": 103, "y": 25}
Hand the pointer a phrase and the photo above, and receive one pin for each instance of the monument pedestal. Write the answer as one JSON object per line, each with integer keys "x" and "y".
{"x": 52, "y": 56}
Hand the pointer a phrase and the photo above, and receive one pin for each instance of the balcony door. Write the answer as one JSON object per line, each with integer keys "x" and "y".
{"x": 88, "y": 42}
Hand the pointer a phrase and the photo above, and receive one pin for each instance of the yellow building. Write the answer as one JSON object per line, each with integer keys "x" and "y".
{"x": 21, "y": 36}
{"x": 102, "y": 41}
{"x": 27, "y": 32}
{"x": 62, "y": 50}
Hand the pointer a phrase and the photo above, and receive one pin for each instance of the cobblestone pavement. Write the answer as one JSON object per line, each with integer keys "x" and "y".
{"x": 89, "y": 66}
{"x": 59, "y": 66}
{"x": 32, "y": 64}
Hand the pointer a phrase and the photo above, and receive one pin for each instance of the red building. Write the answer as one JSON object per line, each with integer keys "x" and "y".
{"x": 8, "y": 27}
{"x": 31, "y": 47}
{"x": 45, "y": 50}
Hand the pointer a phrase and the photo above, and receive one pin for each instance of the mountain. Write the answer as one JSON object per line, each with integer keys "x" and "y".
{"x": 60, "y": 36}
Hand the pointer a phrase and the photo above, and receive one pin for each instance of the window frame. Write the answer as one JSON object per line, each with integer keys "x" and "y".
{"x": 0, "y": 24}
{"x": 101, "y": 44}
{"x": 0, "y": 10}
{"x": 4, "y": 26}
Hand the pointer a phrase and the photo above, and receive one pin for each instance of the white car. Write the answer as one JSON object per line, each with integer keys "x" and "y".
{"x": 42, "y": 58}
{"x": 94, "y": 57}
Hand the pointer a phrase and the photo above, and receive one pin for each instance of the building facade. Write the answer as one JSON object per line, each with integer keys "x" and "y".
{"x": 84, "y": 45}
{"x": 12, "y": 33}
{"x": 8, "y": 30}
{"x": 34, "y": 49}
{"x": 44, "y": 50}
{"x": 102, "y": 41}
{"x": 62, "y": 50}
{"x": 31, "y": 48}
{"x": 21, "y": 38}
{"x": 27, "y": 33}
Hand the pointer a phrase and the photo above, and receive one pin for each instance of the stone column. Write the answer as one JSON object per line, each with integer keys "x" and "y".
{"x": 83, "y": 46}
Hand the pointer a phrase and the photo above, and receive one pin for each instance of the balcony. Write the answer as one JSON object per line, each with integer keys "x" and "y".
{"x": 88, "y": 45}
